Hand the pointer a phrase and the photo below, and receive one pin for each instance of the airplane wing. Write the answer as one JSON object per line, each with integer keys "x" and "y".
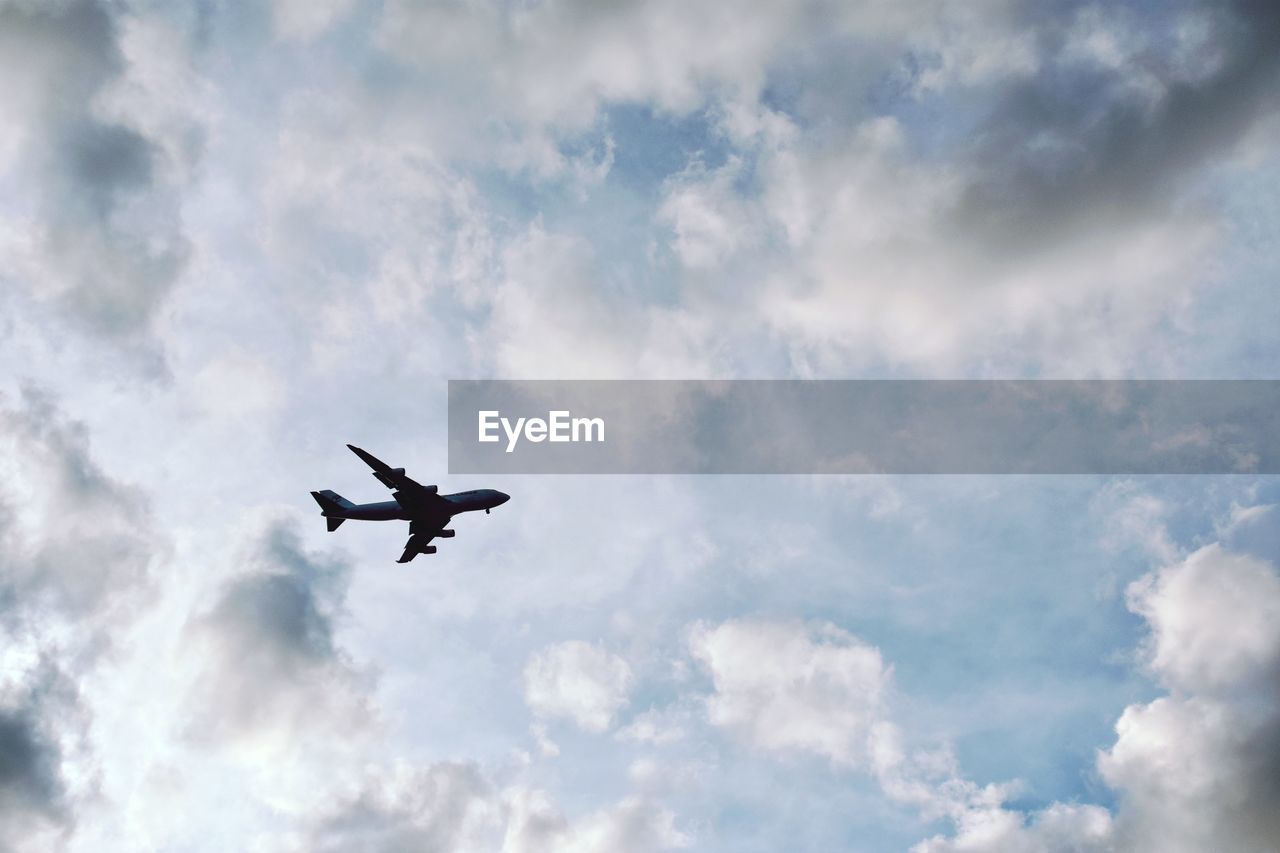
{"x": 420, "y": 535}
{"x": 408, "y": 492}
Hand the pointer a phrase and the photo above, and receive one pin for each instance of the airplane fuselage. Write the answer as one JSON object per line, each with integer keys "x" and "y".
{"x": 479, "y": 499}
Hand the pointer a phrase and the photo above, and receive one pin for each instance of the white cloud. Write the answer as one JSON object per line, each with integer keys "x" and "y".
{"x": 632, "y": 826}
{"x": 707, "y": 216}
{"x": 1133, "y": 517}
{"x": 236, "y": 385}
{"x": 453, "y": 807}
{"x": 1197, "y": 769}
{"x": 788, "y": 686}
{"x": 1215, "y": 622}
{"x": 656, "y": 727}
{"x": 1241, "y": 517}
{"x": 554, "y": 313}
{"x": 578, "y": 681}
{"x": 547, "y": 748}
{"x": 375, "y": 224}
{"x": 1057, "y": 829}
{"x": 441, "y": 807}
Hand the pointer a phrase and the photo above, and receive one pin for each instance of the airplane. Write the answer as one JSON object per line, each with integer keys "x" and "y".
{"x": 427, "y": 511}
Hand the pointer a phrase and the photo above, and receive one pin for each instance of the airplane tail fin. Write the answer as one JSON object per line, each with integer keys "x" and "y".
{"x": 332, "y": 505}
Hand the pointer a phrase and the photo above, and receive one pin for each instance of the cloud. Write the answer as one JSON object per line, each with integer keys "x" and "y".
{"x": 454, "y": 807}
{"x": 441, "y": 807}
{"x": 875, "y": 270}
{"x": 270, "y": 669}
{"x": 1033, "y": 224}
{"x": 76, "y": 551}
{"x": 554, "y": 280}
{"x": 1215, "y": 622}
{"x": 656, "y": 727}
{"x": 706, "y": 215}
{"x": 1060, "y": 828}
{"x": 1135, "y": 518}
{"x": 579, "y": 682}
{"x": 551, "y": 281}
{"x": 1242, "y": 517}
{"x": 633, "y": 826}
{"x": 788, "y": 686}
{"x": 41, "y": 720}
{"x": 552, "y": 66}
{"x": 794, "y": 688}
{"x": 301, "y": 20}
{"x": 97, "y": 227}
{"x": 74, "y": 544}
{"x": 1195, "y": 769}
{"x": 376, "y": 223}
{"x": 1117, "y": 121}
{"x": 837, "y": 233}
{"x": 554, "y": 69}
{"x": 843, "y": 187}
{"x": 1198, "y": 769}
{"x": 1055, "y": 225}
{"x": 237, "y": 386}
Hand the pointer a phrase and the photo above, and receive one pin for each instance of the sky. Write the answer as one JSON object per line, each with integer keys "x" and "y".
{"x": 237, "y": 236}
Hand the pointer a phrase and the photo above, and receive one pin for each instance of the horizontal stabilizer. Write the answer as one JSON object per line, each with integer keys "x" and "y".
{"x": 334, "y": 522}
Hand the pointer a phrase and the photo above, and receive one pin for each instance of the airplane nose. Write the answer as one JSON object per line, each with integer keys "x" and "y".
{"x": 503, "y": 497}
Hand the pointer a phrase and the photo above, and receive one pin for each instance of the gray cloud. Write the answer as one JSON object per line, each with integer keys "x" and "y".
{"x": 74, "y": 543}
{"x": 1040, "y": 217}
{"x": 75, "y": 554}
{"x": 106, "y": 225}
{"x": 1090, "y": 138}
{"x": 35, "y": 805}
{"x": 270, "y": 664}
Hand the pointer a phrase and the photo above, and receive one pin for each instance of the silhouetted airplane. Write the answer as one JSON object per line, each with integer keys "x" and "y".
{"x": 426, "y": 511}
